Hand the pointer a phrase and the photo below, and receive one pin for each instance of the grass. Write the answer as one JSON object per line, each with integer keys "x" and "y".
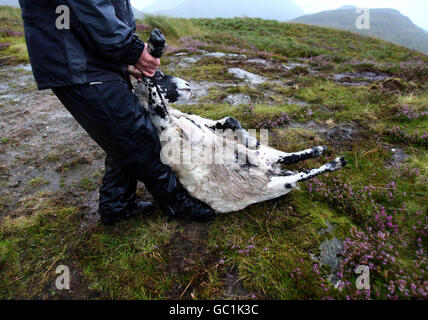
{"x": 267, "y": 247}
{"x": 175, "y": 28}
{"x": 36, "y": 182}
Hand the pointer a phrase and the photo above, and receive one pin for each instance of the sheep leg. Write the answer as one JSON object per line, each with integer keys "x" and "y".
{"x": 282, "y": 185}
{"x": 291, "y": 158}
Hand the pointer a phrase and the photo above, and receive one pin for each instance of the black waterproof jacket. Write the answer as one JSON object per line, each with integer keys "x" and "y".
{"x": 99, "y": 45}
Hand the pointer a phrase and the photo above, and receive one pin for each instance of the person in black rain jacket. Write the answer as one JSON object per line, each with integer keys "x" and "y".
{"x": 86, "y": 67}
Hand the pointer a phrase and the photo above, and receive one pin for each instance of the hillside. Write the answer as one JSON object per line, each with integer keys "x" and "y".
{"x": 281, "y": 10}
{"x": 387, "y": 24}
{"x": 363, "y": 98}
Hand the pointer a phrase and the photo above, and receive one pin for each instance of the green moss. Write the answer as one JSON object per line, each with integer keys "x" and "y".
{"x": 87, "y": 184}
{"x": 15, "y": 53}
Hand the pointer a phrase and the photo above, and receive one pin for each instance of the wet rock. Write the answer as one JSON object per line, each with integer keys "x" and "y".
{"x": 187, "y": 61}
{"x": 237, "y": 99}
{"x": 247, "y": 76}
{"x": 290, "y": 66}
{"x": 296, "y": 102}
{"x": 261, "y": 62}
{"x": 358, "y": 78}
{"x": 224, "y": 55}
{"x": 398, "y": 157}
{"x": 327, "y": 230}
{"x": 199, "y": 90}
{"x": 331, "y": 251}
{"x": 190, "y": 60}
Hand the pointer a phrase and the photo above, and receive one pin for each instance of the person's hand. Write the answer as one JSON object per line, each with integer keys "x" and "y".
{"x": 135, "y": 73}
{"x": 147, "y": 64}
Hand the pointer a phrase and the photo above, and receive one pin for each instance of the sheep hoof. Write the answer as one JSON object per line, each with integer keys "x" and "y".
{"x": 337, "y": 164}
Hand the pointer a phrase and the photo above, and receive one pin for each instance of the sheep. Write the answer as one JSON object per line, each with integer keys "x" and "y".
{"x": 248, "y": 172}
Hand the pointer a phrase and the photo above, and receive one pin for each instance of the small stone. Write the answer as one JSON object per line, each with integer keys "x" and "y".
{"x": 291, "y": 66}
{"x": 398, "y": 157}
{"x": 247, "y": 76}
{"x": 260, "y": 61}
{"x": 237, "y": 99}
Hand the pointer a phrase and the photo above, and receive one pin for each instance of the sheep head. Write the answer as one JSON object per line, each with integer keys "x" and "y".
{"x": 173, "y": 89}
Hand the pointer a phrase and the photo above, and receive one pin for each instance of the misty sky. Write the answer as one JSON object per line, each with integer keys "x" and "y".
{"x": 417, "y": 10}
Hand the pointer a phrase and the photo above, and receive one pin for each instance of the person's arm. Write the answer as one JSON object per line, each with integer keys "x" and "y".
{"x": 113, "y": 38}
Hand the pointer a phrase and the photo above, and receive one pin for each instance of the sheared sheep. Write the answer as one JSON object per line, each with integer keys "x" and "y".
{"x": 247, "y": 172}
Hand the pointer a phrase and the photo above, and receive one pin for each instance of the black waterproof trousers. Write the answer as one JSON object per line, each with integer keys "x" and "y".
{"x": 115, "y": 118}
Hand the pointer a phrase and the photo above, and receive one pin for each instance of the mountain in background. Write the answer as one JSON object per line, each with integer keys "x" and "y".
{"x": 346, "y": 6}
{"x": 15, "y": 3}
{"x": 137, "y": 13}
{"x": 386, "y": 24}
{"x": 162, "y": 5}
{"x": 281, "y": 10}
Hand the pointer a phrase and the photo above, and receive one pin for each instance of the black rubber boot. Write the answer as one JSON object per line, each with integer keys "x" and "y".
{"x": 141, "y": 209}
{"x": 186, "y": 207}
{"x": 137, "y": 210}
